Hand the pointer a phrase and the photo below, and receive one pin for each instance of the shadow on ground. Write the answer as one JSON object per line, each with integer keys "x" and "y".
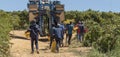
{"x": 44, "y": 40}
{"x": 20, "y": 37}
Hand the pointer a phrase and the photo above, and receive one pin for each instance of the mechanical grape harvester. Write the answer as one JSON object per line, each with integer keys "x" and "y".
{"x": 47, "y": 12}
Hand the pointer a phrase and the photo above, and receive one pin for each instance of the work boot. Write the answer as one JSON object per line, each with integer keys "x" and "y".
{"x": 37, "y": 52}
{"x": 57, "y": 51}
{"x": 32, "y": 52}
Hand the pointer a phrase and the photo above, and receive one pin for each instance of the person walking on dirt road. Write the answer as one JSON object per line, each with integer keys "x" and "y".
{"x": 70, "y": 29}
{"x": 80, "y": 31}
{"x": 58, "y": 36}
{"x": 34, "y": 30}
{"x": 61, "y": 25}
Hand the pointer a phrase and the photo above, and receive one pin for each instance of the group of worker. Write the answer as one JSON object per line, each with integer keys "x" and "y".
{"x": 58, "y": 31}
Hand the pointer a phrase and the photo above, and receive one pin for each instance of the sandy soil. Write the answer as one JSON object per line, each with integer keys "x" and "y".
{"x": 21, "y": 48}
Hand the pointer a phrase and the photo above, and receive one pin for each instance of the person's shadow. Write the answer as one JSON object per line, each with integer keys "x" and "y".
{"x": 20, "y": 37}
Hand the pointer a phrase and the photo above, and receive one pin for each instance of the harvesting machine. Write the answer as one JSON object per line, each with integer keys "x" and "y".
{"x": 47, "y": 13}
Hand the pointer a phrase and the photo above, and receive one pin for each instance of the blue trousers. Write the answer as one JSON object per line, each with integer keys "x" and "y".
{"x": 80, "y": 36}
{"x": 51, "y": 40}
{"x": 57, "y": 43}
{"x": 68, "y": 38}
{"x": 34, "y": 41}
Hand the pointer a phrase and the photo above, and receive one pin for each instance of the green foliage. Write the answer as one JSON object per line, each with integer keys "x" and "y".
{"x": 94, "y": 33}
{"x": 113, "y": 53}
{"x": 103, "y": 29}
{"x": 23, "y": 19}
{"x": 95, "y": 53}
{"x": 7, "y": 22}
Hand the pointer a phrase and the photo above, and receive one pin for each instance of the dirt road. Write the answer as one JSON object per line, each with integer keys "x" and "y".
{"x": 21, "y": 48}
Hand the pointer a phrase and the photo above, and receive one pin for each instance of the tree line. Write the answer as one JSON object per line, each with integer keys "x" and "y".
{"x": 103, "y": 29}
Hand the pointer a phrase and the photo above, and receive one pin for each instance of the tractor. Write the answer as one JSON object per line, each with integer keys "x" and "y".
{"x": 47, "y": 13}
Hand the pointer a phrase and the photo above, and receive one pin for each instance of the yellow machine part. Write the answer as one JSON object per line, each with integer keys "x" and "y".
{"x": 27, "y": 34}
{"x": 53, "y": 48}
{"x": 75, "y": 28}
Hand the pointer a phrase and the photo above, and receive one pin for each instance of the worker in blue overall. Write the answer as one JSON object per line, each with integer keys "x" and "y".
{"x": 34, "y": 30}
{"x": 58, "y": 36}
{"x": 61, "y": 25}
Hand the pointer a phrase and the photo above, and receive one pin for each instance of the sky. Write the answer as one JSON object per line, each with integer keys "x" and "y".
{"x": 80, "y": 5}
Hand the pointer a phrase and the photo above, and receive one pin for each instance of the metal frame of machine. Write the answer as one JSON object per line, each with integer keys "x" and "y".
{"x": 52, "y": 10}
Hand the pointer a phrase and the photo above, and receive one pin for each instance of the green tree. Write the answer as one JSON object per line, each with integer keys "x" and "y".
{"x": 7, "y": 22}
